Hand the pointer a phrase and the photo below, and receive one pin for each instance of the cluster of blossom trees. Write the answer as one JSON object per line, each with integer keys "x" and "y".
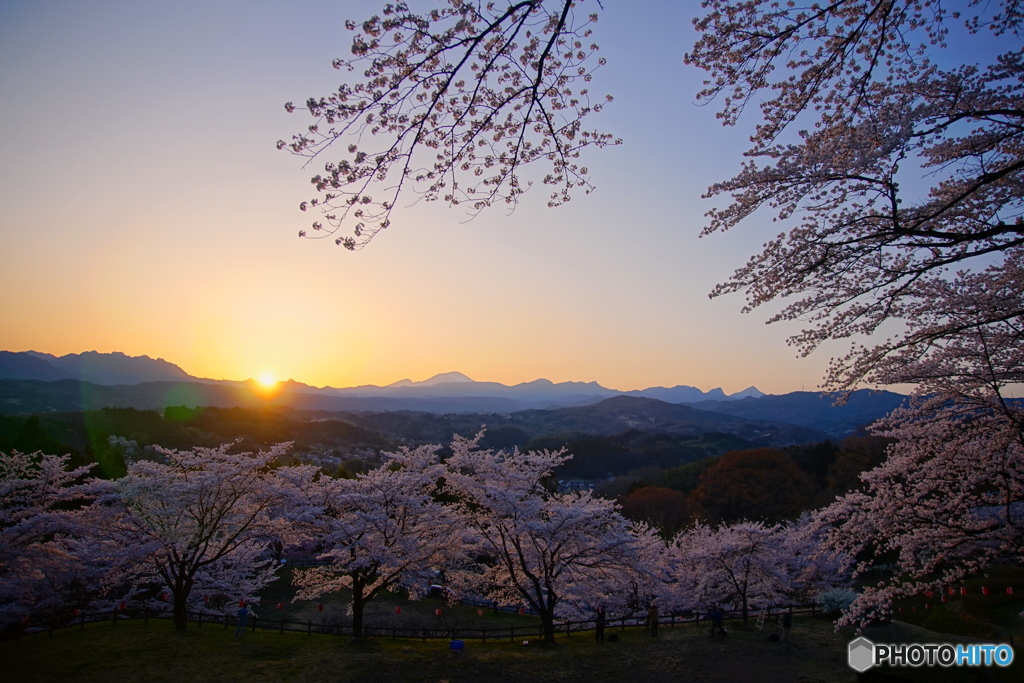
{"x": 204, "y": 529}
{"x": 895, "y": 164}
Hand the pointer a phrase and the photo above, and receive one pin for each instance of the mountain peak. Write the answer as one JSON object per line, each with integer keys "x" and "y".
{"x": 446, "y": 378}
{"x": 442, "y": 378}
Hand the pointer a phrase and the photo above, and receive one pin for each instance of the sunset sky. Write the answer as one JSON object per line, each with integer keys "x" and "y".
{"x": 145, "y": 209}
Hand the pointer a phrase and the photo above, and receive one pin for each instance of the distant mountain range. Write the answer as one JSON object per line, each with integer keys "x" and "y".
{"x": 112, "y": 369}
{"x": 32, "y": 382}
{"x": 100, "y": 368}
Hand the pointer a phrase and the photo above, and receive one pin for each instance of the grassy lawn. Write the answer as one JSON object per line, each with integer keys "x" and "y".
{"x": 380, "y": 612}
{"x": 153, "y": 652}
{"x": 994, "y": 617}
{"x": 132, "y": 650}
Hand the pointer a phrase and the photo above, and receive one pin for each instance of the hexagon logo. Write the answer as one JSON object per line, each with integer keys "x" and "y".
{"x": 861, "y": 655}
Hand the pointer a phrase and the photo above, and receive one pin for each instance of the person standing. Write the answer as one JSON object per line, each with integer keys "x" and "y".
{"x": 243, "y": 614}
{"x": 716, "y": 622}
{"x": 652, "y": 619}
{"x": 599, "y": 623}
{"x": 787, "y": 623}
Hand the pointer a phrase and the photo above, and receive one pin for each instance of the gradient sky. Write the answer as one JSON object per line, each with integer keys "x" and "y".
{"x": 145, "y": 209}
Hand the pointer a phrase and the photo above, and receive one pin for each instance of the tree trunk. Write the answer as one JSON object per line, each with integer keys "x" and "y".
{"x": 547, "y": 620}
{"x": 180, "y": 611}
{"x": 358, "y": 602}
{"x": 179, "y": 594}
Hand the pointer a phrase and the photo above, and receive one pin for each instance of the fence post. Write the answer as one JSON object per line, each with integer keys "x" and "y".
{"x": 511, "y": 634}
{"x": 282, "y": 626}
{"x": 309, "y": 628}
{"x": 483, "y": 634}
{"x": 145, "y": 616}
{"x": 114, "y": 620}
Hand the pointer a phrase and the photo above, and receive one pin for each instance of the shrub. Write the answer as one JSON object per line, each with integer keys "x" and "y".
{"x": 835, "y": 600}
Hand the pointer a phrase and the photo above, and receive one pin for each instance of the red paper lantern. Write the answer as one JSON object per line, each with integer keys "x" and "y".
{"x": 163, "y": 596}
{"x": 24, "y": 621}
{"x": 320, "y": 607}
{"x": 206, "y": 598}
{"x": 929, "y": 594}
{"x": 241, "y": 603}
{"x": 522, "y": 610}
{"x": 479, "y": 612}
{"x": 901, "y": 610}
{"x": 437, "y": 612}
{"x": 123, "y": 606}
{"x": 951, "y": 590}
{"x": 280, "y": 605}
{"x": 78, "y": 612}
{"x": 984, "y": 590}
{"x": 398, "y": 610}
{"x": 963, "y": 590}
{"x": 1009, "y": 590}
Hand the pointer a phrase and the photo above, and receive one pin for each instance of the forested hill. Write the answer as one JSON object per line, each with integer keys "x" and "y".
{"x": 812, "y": 409}
{"x": 622, "y": 413}
{"x": 799, "y": 417}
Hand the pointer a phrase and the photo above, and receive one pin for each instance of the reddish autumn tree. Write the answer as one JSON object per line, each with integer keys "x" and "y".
{"x": 762, "y": 484}
{"x": 667, "y": 510}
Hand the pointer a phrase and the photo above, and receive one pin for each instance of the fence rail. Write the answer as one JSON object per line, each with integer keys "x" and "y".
{"x": 478, "y": 632}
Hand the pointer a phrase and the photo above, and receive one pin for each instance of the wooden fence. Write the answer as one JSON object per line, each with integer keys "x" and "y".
{"x": 478, "y": 632}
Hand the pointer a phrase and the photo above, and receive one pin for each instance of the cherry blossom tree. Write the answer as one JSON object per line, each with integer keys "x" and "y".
{"x": 655, "y": 578}
{"x": 383, "y": 530}
{"x": 948, "y": 502}
{"x": 890, "y": 161}
{"x": 732, "y": 564}
{"x": 895, "y": 167}
{"x": 750, "y": 563}
{"x": 881, "y": 108}
{"x": 909, "y": 167}
{"x": 451, "y": 105}
{"x": 814, "y": 565}
{"x": 554, "y": 552}
{"x": 200, "y": 524}
{"x": 50, "y": 559}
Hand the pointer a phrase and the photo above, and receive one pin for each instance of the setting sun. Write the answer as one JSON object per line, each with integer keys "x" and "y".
{"x": 267, "y": 380}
